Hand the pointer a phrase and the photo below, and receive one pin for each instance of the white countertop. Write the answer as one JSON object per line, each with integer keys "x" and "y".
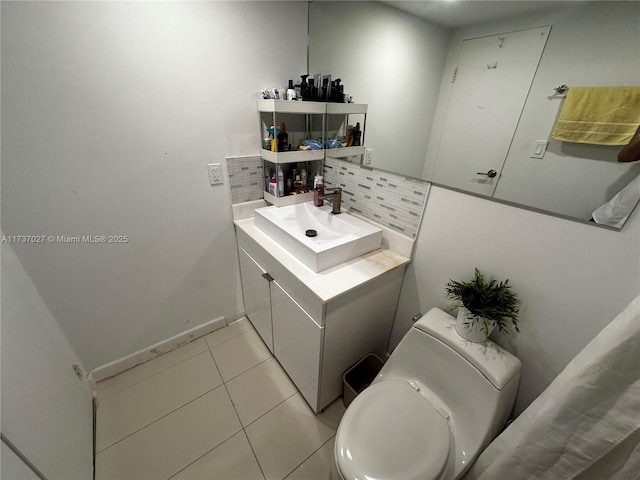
{"x": 334, "y": 281}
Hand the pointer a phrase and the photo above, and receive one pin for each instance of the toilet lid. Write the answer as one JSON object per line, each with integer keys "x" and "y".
{"x": 390, "y": 431}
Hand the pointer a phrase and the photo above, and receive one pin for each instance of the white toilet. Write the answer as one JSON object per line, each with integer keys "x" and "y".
{"x": 437, "y": 403}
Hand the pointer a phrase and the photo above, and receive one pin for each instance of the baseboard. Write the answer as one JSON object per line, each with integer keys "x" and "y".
{"x": 153, "y": 351}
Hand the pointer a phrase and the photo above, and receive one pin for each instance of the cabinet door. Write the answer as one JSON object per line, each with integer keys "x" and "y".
{"x": 297, "y": 341}
{"x": 255, "y": 290}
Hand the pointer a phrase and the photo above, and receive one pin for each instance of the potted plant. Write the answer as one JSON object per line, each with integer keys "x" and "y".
{"x": 483, "y": 304}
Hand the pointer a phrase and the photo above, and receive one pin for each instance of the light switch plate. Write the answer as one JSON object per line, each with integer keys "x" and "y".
{"x": 368, "y": 158}
{"x": 539, "y": 148}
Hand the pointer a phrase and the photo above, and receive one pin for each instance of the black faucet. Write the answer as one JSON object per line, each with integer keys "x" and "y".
{"x": 336, "y": 199}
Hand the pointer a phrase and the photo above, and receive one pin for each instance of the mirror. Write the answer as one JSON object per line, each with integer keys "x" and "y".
{"x": 403, "y": 66}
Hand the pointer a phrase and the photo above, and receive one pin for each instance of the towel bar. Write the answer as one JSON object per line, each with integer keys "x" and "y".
{"x": 560, "y": 89}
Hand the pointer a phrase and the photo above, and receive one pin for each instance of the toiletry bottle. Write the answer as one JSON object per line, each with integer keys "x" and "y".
{"x": 318, "y": 191}
{"x": 303, "y": 178}
{"x": 304, "y": 87}
{"x": 313, "y": 91}
{"x": 337, "y": 91}
{"x": 280, "y": 181}
{"x": 272, "y": 186}
{"x": 283, "y": 138}
{"x": 350, "y": 131}
{"x": 288, "y": 187}
{"x": 357, "y": 134}
{"x": 273, "y": 135}
{"x": 325, "y": 89}
{"x": 291, "y": 93}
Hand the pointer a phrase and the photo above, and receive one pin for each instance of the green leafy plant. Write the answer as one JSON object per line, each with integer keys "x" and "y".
{"x": 487, "y": 300}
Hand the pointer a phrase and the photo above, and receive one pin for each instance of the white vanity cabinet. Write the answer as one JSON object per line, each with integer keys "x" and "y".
{"x": 257, "y": 296}
{"x": 297, "y": 342}
{"x": 289, "y": 332}
{"x": 317, "y": 324}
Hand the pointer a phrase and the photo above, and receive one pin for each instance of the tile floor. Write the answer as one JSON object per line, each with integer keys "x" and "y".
{"x": 218, "y": 408}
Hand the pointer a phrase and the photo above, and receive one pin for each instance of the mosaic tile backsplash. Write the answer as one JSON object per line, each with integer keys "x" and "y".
{"x": 245, "y": 178}
{"x": 390, "y": 199}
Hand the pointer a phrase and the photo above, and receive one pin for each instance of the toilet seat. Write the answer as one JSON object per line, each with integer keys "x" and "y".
{"x": 391, "y": 431}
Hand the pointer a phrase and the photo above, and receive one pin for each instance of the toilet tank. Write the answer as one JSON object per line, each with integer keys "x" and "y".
{"x": 476, "y": 383}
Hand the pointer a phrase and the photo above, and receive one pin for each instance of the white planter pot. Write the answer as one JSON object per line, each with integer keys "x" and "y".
{"x": 471, "y": 329}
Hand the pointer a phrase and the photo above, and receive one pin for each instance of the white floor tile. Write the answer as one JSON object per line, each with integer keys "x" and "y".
{"x": 172, "y": 418}
{"x": 239, "y": 354}
{"x": 165, "y": 447}
{"x": 233, "y": 460}
{"x": 129, "y": 410}
{"x": 259, "y": 389}
{"x": 317, "y": 466}
{"x": 145, "y": 370}
{"x": 332, "y": 414}
{"x": 286, "y": 436}
{"x": 227, "y": 333}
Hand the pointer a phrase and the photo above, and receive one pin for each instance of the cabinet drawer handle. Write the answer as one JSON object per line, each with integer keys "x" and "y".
{"x": 267, "y": 277}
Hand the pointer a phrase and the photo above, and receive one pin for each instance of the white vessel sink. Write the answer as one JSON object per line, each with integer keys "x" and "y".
{"x": 339, "y": 237}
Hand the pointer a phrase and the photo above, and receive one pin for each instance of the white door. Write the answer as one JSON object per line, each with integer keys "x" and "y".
{"x": 255, "y": 291}
{"x": 492, "y": 81}
{"x": 13, "y": 467}
{"x": 296, "y": 342}
{"x": 47, "y": 412}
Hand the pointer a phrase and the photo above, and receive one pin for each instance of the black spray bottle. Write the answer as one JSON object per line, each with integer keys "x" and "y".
{"x": 304, "y": 87}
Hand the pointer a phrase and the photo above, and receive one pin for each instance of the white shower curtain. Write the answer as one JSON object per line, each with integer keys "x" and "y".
{"x": 586, "y": 424}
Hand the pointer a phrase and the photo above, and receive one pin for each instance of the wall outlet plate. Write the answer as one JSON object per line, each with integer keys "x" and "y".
{"x": 215, "y": 173}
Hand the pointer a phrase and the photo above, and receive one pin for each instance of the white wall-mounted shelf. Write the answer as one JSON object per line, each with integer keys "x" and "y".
{"x": 305, "y": 120}
{"x": 289, "y": 199}
{"x": 314, "y": 108}
{"x": 285, "y": 106}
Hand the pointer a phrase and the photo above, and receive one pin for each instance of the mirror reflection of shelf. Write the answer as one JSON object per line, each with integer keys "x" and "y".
{"x": 345, "y": 152}
{"x": 346, "y": 108}
{"x": 346, "y": 123}
{"x": 292, "y": 156}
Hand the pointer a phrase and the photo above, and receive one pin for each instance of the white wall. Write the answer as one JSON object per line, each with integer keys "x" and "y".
{"x": 111, "y": 111}
{"x": 46, "y": 409}
{"x": 572, "y": 278}
{"x": 590, "y": 44}
{"x": 389, "y": 59}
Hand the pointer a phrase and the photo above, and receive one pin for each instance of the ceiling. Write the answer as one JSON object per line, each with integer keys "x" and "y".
{"x": 459, "y": 13}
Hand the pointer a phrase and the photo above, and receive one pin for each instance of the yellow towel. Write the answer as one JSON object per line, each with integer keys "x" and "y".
{"x": 599, "y": 115}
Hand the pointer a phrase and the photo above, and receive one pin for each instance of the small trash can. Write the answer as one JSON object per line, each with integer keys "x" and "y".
{"x": 360, "y": 376}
